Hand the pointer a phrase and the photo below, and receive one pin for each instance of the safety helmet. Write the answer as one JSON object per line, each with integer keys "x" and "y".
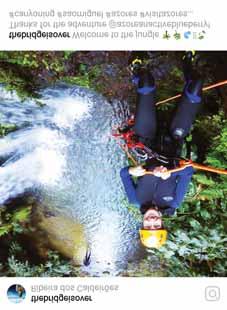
{"x": 153, "y": 238}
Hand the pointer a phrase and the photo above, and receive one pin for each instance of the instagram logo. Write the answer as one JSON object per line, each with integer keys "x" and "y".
{"x": 212, "y": 293}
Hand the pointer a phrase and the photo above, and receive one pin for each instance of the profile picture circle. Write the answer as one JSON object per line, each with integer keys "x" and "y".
{"x": 16, "y": 293}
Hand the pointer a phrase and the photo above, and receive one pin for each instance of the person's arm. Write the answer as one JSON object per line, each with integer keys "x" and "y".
{"x": 129, "y": 186}
{"x": 183, "y": 180}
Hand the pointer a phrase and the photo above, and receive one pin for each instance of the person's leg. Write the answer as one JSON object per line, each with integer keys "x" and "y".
{"x": 191, "y": 99}
{"x": 145, "y": 116}
{"x": 188, "y": 108}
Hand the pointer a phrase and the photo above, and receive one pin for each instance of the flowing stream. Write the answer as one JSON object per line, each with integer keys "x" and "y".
{"x": 64, "y": 153}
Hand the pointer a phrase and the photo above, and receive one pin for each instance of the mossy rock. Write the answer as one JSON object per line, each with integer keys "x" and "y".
{"x": 60, "y": 233}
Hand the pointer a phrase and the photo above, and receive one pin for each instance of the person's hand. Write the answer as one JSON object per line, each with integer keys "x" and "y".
{"x": 137, "y": 171}
{"x": 161, "y": 172}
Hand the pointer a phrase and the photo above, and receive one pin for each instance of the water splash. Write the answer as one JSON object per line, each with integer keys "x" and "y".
{"x": 65, "y": 150}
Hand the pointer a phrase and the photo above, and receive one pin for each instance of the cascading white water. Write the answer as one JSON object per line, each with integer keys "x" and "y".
{"x": 66, "y": 152}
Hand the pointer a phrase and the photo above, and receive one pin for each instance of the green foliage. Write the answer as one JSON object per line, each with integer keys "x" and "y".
{"x": 5, "y": 229}
{"x": 217, "y": 155}
{"x": 206, "y": 130}
{"x": 20, "y": 58}
{"x": 21, "y": 215}
{"x": 34, "y": 60}
{"x": 82, "y": 80}
{"x": 54, "y": 267}
{"x": 85, "y": 77}
{"x": 199, "y": 253}
{"x": 15, "y": 221}
{"x": 67, "y": 54}
{"x": 25, "y": 72}
{"x": 169, "y": 87}
{"x": 24, "y": 84}
{"x": 15, "y": 248}
{"x": 16, "y": 268}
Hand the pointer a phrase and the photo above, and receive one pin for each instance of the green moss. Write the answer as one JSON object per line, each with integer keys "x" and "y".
{"x": 7, "y": 128}
{"x": 82, "y": 80}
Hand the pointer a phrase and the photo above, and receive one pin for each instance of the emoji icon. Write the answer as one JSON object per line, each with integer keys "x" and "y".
{"x": 166, "y": 35}
{"x": 201, "y": 35}
{"x": 187, "y": 34}
{"x": 177, "y": 35}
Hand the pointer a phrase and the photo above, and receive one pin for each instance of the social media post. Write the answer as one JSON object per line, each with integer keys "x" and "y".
{"x": 113, "y": 164}
{"x": 113, "y": 136}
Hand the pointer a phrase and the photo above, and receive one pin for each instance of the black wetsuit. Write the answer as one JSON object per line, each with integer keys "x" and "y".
{"x": 166, "y": 194}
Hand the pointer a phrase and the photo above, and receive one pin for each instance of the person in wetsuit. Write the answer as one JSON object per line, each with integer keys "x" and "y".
{"x": 161, "y": 193}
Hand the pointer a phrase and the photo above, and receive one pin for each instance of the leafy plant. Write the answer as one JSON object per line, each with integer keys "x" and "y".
{"x": 14, "y": 222}
{"x": 54, "y": 267}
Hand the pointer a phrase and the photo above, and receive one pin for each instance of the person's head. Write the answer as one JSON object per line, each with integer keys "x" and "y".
{"x": 152, "y": 219}
{"x": 153, "y": 234}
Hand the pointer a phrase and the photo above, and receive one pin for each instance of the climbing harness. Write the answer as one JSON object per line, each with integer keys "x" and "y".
{"x": 138, "y": 152}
